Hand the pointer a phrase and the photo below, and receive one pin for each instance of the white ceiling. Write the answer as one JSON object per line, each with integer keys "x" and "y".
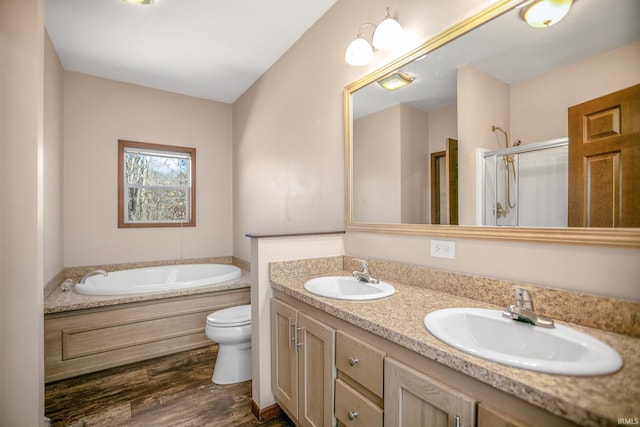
{"x": 204, "y": 48}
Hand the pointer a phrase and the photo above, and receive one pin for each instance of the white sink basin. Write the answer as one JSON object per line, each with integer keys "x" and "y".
{"x": 349, "y": 288}
{"x": 488, "y": 335}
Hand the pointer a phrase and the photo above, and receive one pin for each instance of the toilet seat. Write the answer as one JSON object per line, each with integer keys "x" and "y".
{"x": 230, "y": 317}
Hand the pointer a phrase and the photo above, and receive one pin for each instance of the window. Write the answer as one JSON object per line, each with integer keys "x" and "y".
{"x": 156, "y": 185}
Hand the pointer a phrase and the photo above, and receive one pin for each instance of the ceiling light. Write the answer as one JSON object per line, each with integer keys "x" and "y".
{"x": 138, "y": 1}
{"x": 388, "y": 34}
{"x": 395, "y": 80}
{"x": 545, "y": 13}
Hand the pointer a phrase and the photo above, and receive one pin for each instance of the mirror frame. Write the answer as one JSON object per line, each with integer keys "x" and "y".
{"x": 615, "y": 237}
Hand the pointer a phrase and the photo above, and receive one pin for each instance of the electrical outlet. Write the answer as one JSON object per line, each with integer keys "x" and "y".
{"x": 443, "y": 249}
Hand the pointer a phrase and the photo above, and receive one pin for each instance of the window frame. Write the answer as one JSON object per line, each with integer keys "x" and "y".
{"x": 122, "y": 205}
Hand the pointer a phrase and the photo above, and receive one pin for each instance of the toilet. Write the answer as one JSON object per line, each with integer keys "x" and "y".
{"x": 231, "y": 329}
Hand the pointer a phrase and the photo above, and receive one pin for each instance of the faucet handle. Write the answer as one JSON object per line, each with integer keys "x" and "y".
{"x": 523, "y": 298}
{"x": 363, "y": 265}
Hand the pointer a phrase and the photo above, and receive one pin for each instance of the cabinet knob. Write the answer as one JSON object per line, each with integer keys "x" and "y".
{"x": 352, "y": 415}
{"x": 353, "y": 361}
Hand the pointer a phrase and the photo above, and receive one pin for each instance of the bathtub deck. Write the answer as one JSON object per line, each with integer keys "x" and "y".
{"x": 173, "y": 390}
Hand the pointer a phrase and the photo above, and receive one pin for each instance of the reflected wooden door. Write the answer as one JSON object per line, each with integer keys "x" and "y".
{"x": 604, "y": 161}
{"x": 444, "y": 184}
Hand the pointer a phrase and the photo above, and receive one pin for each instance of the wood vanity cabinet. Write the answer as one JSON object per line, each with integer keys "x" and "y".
{"x": 302, "y": 365}
{"x": 413, "y": 399}
{"x": 387, "y": 386}
{"x": 359, "y": 382}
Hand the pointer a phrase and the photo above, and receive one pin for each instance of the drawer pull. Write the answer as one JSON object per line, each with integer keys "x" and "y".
{"x": 352, "y": 415}
{"x": 353, "y": 361}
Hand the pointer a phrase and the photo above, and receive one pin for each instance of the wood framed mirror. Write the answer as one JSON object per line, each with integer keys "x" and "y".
{"x": 358, "y": 104}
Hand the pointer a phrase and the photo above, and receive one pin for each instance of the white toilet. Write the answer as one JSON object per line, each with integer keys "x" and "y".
{"x": 231, "y": 329}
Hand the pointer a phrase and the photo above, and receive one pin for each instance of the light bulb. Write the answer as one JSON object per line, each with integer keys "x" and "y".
{"x": 359, "y": 52}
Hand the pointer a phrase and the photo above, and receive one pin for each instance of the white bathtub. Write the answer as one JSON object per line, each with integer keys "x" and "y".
{"x": 158, "y": 279}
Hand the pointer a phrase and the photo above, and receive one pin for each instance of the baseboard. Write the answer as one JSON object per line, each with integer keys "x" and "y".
{"x": 265, "y": 414}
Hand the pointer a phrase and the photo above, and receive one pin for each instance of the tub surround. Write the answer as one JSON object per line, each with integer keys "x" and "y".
{"x": 57, "y": 301}
{"x": 598, "y": 400}
{"x": 88, "y": 333}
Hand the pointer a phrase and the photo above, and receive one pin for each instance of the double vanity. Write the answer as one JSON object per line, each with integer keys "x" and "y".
{"x": 402, "y": 350}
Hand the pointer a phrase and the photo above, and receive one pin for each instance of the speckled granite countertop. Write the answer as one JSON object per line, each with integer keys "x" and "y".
{"x": 590, "y": 401}
{"x": 59, "y": 301}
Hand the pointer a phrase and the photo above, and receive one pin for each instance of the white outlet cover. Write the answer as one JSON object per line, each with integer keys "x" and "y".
{"x": 443, "y": 248}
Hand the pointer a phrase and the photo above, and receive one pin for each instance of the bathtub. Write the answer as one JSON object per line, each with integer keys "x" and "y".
{"x": 158, "y": 279}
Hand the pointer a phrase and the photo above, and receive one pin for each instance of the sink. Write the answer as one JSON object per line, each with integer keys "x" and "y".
{"x": 348, "y": 288}
{"x": 486, "y": 334}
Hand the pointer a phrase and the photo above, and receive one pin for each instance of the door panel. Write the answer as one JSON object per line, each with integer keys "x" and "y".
{"x": 412, "y": 399}
{"x": 317, "y": 372}
{"x": 604, "y": 161}
{"x": 284, "y": 361}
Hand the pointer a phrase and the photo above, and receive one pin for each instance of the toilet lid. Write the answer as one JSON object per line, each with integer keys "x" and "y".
{"x": 232, "y": 316}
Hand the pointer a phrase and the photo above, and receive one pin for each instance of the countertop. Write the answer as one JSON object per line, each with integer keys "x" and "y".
{"x": 60, "y": 301}
{"x": 590, "y": 401}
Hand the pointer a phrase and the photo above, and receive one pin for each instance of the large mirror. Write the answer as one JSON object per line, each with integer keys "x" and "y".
{"x": 502, "y": 90}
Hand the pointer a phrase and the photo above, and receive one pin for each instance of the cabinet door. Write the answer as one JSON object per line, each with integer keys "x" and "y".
{"x": 316, "y": 372}
{"x": 491, "y": 417}
{"x": 412, "y": 399}
{"x": 284, "y": 361}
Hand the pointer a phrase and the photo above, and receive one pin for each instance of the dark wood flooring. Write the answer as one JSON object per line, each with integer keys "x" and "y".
{"x": 173, "y": 390}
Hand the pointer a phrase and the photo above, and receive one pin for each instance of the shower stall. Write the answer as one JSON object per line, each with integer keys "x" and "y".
{"x": 526, "y": 185}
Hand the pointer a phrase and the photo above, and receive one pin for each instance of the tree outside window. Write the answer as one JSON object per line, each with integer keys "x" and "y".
{"x": 156, "y": 185}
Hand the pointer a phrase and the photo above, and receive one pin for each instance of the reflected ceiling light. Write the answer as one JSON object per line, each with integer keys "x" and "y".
{"x": 386, "y": 36}
{"x": 395, "y": 80}
{"x": 545, "y": 13}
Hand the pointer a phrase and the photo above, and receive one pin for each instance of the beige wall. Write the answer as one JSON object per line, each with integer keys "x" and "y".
{"x": 21, "y": 216}
{"x": 539, "y": 105}
{"x": 414, "y": 125}
{"x": 443, "y": 124}
{"x": 377, "y": 166}
{"x": 482, "y": 101}
{"x": 98, "y": 112}
{"x": 288, "y": 133}
{"x": 288, "y": 160}
{"x": 53, "y": 162}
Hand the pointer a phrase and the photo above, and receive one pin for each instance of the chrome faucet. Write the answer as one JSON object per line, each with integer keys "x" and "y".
{"x": 522, "y": 310}
{"x": 91, "y": 273}
{"x": 363, "y": 275}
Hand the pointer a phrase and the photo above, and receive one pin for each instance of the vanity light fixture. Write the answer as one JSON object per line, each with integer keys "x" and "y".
{"x": 386, "y": 36}
{"x": 545, "y": 13}
{"x": 359, "y": 52}
{"x": 395, "y": 80}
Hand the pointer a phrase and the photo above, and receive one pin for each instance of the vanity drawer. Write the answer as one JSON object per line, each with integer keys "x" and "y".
{"x": 360, "y": 361}
{"x": 353, "y": 409}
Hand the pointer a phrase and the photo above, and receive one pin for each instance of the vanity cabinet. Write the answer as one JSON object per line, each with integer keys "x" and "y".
{"x": 413, "y": 399}
{"x": 375, "y": 381}
{"x": 302, "y": 365}
{"x": 492, "y": 417}
{"x": 359, "y": 382}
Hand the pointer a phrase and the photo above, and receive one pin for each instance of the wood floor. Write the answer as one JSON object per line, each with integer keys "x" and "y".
{"x": 174, "y": 390}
